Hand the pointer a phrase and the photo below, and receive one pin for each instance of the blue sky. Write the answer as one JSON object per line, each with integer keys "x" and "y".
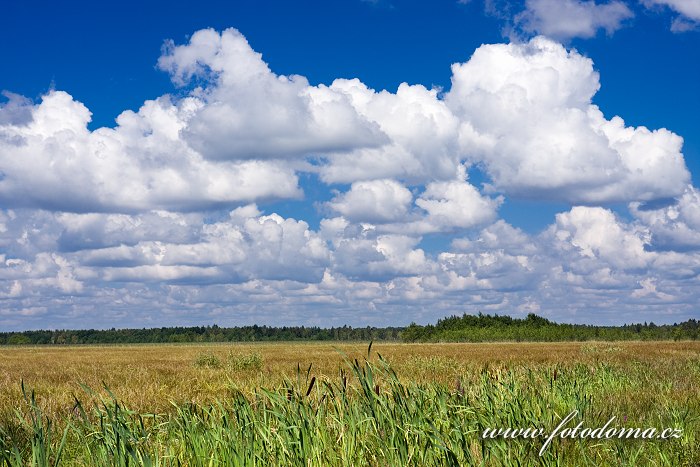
{"x": 351, "y": 162}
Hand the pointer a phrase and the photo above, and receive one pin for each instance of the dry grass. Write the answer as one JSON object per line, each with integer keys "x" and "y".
{"x": 148, "y": 377}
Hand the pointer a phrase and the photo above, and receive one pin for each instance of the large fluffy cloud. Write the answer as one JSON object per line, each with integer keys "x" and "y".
{"x": 595, "y": 233}
{"x": 374, "y": 201}
{"x": 540, "y": 136}
{"x": 422, "y": 131}
{"x": 455, "y": 204}
{"x": 53, "y": 161}
{"x": 250, "y": 112}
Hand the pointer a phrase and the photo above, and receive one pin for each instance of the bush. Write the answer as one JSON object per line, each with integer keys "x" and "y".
{"x": 233, "y": 362}
{"x": 207, "y": 360}
{"x": 253, "y": 361}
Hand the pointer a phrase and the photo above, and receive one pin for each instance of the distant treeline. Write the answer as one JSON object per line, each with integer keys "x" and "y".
{"x": 485, "y": 328}
{"x": 466, "y": 328}
{"x": 200, "y": 334}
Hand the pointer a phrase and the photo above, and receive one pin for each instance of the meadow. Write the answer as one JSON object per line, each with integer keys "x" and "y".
{"x": 330, "y": 404}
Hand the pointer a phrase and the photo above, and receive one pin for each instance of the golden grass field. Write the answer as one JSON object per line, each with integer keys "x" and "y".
{"x": 422, "y": 404}
{"x": 147, "y": 378}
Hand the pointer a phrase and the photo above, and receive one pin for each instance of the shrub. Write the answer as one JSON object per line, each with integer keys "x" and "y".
{"x": 207, "y": 360}
{"x": 253, "y": 361}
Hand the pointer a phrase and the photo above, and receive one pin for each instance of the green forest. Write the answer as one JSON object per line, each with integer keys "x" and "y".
{"x": 465, "y": 328}
{"x": 200, "y": 334}
{"x": 488, "y": 328}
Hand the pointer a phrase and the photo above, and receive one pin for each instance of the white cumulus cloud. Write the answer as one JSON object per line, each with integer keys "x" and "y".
{"x": 674, "y": 225}
{"x": 527, "y": 116}
{"x": 374, "y": 201}
{"x": 249, "y": 112}
{"x": 54, "y": 162}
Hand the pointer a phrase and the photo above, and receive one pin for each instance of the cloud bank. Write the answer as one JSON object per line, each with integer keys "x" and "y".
{"x": 164, "y": 218}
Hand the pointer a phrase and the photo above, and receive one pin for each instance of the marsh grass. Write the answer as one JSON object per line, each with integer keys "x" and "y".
{"x": 232, "y": 362}
{"x": 416, "y": 408}
{"x": 244, "y": 362}
{"x": 207, "y": 360}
